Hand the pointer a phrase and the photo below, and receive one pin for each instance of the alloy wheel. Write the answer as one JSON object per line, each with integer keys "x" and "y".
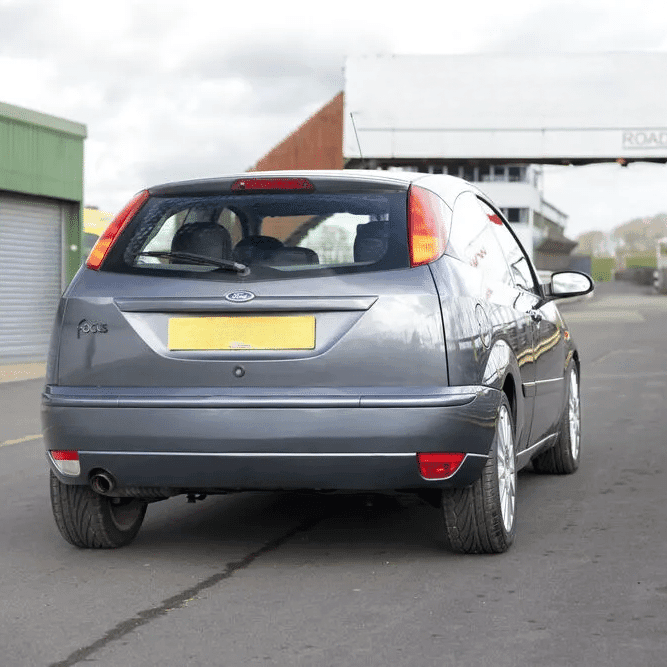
{"x": 574, "y": 415}
{"x": 506, "y": 468}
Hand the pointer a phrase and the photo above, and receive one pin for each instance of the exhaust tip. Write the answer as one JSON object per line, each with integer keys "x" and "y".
{"x": 102, "y": 483}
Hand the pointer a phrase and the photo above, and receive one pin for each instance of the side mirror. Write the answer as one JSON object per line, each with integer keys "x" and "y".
{"x": 566, "y": 284}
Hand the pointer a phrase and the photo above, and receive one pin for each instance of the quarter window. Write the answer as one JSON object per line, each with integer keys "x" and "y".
{"x": 473, "y": 241}
{"x": 514, "y": 254}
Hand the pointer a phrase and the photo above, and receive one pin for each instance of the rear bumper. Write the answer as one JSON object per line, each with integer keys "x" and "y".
{"x": 277, "y": 440}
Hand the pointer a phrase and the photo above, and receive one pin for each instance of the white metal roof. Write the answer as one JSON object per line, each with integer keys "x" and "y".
{"x": 577, "y": 106}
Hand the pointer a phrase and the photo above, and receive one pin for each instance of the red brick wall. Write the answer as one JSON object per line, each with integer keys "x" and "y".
{"x": 317, "y": 144}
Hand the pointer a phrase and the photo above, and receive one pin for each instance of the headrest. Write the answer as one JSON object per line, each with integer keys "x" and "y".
{"x": 255, "y": 249}
{"x": 203, "y": 238}
{"x": 372, "y": 241}
{"x": 293, "y": 257}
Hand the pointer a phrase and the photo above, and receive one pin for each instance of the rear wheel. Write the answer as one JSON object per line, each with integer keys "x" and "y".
{"x": 563, "y": 458}
{"x": 87, "y": 519}
{"x": 481, "y": 518}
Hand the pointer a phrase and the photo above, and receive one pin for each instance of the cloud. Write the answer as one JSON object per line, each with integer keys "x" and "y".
{"x": 168, "y": 94}
{"x": 581, "y": 26}
{"x": 174, "y": 91}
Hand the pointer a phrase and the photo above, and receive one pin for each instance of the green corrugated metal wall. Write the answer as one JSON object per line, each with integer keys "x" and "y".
{"x": 42, "y": 156}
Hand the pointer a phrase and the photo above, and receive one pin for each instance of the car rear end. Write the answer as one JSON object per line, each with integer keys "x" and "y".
{"x": 266, "y": 331}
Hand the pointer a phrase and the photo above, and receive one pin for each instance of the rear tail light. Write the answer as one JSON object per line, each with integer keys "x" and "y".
{"x": 272, "y": 184}
{"x": 67, "y": 461}
{"x": 427, "y": 232}
{"x": 105, "y": 242}
{"x": 439, "y": 465}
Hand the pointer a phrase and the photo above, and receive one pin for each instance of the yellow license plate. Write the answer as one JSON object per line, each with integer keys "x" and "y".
{"x": 242, "y": 333}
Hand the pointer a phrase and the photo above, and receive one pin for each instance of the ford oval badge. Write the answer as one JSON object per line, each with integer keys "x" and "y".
{"x": 240, "y": 297}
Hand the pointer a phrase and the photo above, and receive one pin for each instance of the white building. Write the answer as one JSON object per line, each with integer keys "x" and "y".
{"x": 492, "y": 119}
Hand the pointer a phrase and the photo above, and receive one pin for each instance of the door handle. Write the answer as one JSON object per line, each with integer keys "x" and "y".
{"x": 535, "y": 315}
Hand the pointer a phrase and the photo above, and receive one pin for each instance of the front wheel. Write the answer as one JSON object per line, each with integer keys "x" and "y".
{"x": 87, "y": 519}
{"x": 481, "y": 518}
{"x": 563, "y": 458}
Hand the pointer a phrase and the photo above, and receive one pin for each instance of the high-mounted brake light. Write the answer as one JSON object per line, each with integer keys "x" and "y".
{"x": 439, "y": 465}
{"x": 427, "y": 233}
{"x": 272, "y": 184}
{"x": 105, "y": 242}
{"x": 67, "y": 461}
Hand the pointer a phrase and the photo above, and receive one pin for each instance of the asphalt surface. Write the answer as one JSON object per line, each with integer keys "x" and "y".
{"x": 285, "y": 579}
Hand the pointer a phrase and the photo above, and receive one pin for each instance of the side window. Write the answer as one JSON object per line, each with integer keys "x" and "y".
{"x": 472, "y": 240}
{"x": 514, "y": 253}
{"x": 334, "y": 238}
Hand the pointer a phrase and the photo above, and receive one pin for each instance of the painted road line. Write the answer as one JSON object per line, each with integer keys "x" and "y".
{"x": 18, "y": 441}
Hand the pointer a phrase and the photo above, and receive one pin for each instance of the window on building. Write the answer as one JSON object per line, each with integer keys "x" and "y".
{"x": 468, "y": 173}
{"x": 499, "y": 173}
{"x": 515, "y": 215}
{"x": 485, "y": 174}
{"x": 517, "y": 174}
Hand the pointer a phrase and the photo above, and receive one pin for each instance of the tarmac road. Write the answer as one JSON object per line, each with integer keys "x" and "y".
{"x": 284, "y": 579}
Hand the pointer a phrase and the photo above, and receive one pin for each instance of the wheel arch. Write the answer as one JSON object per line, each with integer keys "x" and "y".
{"x": 510, "y": 390}
{"x": 502, "y": 372}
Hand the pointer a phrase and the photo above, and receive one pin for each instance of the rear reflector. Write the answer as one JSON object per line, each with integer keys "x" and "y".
{"x": 67, "y": 461}
{"x": 439, "y": 465}
{"x": 272, "y": 184}
{"x": 65, "y": 454}
{"x": 427, "y": 233}
{"x": 108, "y": 238}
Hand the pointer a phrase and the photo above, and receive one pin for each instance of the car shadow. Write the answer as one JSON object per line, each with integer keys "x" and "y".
{"x": 349, "y": 522}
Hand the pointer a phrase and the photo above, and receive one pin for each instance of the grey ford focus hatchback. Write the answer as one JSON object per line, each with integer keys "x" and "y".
{"x": 334, "y": 331}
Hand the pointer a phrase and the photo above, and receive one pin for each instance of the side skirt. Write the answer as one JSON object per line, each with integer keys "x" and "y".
{"x": 524, "y": 456}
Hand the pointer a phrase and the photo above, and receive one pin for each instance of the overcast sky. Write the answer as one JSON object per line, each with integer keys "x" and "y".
{"x": 177, "y": 90}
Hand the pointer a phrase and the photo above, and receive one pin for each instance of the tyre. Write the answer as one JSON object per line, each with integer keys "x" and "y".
{"x": 481, "y": 518}
{"x": 87, "y": 519}
{"x": 563, "y": 458}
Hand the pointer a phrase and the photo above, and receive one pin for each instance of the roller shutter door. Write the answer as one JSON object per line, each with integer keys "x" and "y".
{"x": 31, "y": 233}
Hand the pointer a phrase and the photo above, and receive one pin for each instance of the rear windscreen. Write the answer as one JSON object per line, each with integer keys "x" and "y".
{"x": 271, "y": 235}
